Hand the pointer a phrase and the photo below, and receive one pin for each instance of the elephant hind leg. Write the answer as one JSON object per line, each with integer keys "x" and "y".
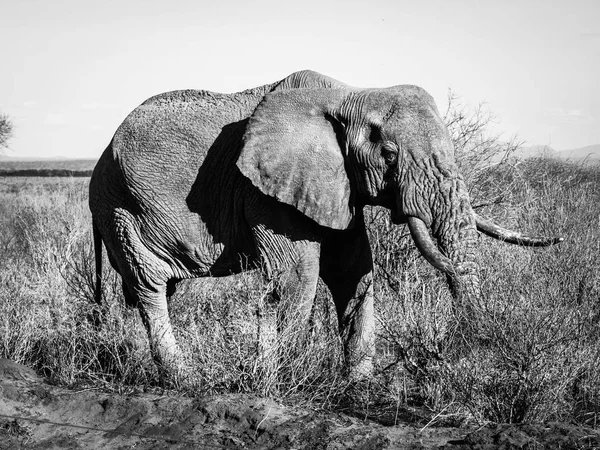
{"x": 145, "y": 278}
{"x": 155, "y": 317}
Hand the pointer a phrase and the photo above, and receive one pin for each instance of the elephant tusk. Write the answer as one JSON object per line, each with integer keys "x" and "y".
{"x": 428, "y": 249}
{"x": 491, "y": 229}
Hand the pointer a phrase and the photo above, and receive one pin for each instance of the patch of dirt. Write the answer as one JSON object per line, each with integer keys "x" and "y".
{"x": 35, "y": 415}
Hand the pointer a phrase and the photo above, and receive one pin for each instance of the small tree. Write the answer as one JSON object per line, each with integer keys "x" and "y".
{"x": 476, "y": 149}
{"x": 6, "y": 130}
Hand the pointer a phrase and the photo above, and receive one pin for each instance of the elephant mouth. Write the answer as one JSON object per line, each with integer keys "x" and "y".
{"x": 397, "y": 217}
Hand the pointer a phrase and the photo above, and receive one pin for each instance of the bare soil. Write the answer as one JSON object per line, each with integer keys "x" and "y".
{"x": 37, "y": 415}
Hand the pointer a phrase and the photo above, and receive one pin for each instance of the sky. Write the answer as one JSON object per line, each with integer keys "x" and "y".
{"x": 71, "y": 70}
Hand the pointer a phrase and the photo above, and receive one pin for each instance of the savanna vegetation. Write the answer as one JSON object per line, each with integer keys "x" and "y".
{"x": 47, "y": 168}
{"x": 529, "y": 351}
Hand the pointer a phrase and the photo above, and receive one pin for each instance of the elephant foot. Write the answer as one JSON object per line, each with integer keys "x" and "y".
{"x": 359, "y": 354}
{"x": 163, "y": 346}
{"x": 172, "y": 366}
{"x": 174, "y": 371}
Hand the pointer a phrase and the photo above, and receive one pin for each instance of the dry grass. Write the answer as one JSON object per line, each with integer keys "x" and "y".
{"x": 225, "y": 326}
{"x": 531, "y": 351}
{"x": 531, "y": 354}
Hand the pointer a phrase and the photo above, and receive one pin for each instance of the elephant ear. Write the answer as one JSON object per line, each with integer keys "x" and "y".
{"x": 294, "y": 151}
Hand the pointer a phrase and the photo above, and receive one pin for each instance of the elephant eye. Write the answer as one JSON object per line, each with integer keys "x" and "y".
{"x": 389, "y": 152}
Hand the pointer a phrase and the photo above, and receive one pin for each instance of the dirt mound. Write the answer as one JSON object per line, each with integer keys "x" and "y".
{"x": 34, "y": 414}
{"x": 557, "y": 436}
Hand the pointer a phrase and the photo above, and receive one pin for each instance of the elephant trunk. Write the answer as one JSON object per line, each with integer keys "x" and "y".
{"x": 457, "y": 237}
{"x": 464, "y": 282}
{"x": 454, "y": 226}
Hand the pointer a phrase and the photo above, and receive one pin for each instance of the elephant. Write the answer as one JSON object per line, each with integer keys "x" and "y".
{"x": 196, "y": 183}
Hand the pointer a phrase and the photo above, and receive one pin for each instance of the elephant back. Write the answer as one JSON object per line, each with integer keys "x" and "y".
{"x": 309, "y": 79}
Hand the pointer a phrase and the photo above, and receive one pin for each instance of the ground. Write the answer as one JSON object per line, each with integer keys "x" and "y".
{"x": 35, "y": 414}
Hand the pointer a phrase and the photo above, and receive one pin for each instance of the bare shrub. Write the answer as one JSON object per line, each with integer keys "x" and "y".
{"x": 476, "y": 149}
{"x": 6, "y": 130}
{"x": 228, "y": 327}
{"x": 530, "y": 352}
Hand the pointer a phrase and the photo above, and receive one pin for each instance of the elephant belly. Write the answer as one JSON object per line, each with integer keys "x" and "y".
{"x": 202, "y": 253}
{"x": 212, "y": 261}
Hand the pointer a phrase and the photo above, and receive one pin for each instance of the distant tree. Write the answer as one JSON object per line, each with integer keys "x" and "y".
{"x": 6, "y": 130}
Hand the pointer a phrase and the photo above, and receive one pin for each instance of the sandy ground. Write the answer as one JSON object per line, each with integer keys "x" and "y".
{"x": 34, "y": 414}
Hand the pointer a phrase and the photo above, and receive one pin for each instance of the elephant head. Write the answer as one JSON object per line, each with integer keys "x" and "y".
{"x": 329, "y": 152}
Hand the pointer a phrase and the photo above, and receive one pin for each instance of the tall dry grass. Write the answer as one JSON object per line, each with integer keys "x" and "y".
{"x": 45, "y": 289}
{"x": 226, "y": 327}
{"x": 530, "y": 351}
{"x": 530, "y": 354}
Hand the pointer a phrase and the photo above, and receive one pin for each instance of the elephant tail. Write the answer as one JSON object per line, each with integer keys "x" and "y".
{"x": 98, "y": 260}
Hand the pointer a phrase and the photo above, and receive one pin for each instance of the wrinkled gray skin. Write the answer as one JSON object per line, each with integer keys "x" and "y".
{"x": 197, "y": 183}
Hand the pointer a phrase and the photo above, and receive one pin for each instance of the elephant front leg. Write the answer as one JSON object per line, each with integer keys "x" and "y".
{"x": 295, "y": 290}
{"x": 347, "y": 270}
{"x": 293, "y": 267}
